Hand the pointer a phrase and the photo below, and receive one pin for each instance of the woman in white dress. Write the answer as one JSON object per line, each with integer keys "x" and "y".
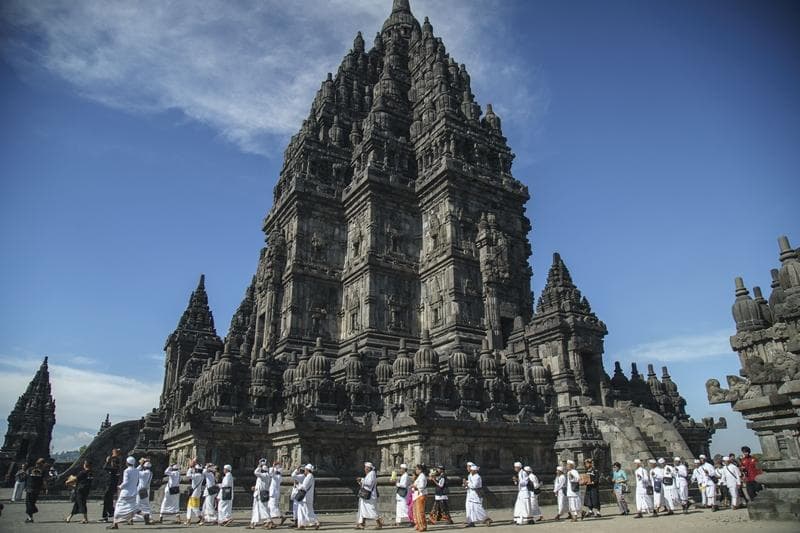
{"x": 522, "y": 506}
{"x": 418, "y": 497}
{"x": 170, "y": 505}
{"x": 535, "y": 487}
{"x": 368, "y": 498}
{"x": 274, "y": 504}
{"x": 143, "y": 491}
{"x": 474, "y": 504}
{"x": 305, "y": 496}
{"x": 401, "y": 491}
{"x": 225, "y": 509}
{"x": 260, "y": 514}
{"x": 644, "y": 490}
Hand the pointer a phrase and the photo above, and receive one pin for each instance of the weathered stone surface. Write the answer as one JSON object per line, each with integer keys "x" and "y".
{"x": 768, "y": 392}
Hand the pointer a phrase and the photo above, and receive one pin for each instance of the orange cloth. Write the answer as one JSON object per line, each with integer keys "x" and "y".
{"x": 419, "y": 514}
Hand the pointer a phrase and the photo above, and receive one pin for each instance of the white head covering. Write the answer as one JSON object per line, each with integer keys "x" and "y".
{"x": 470, "y": 463}
{"x": 474, "y": 468}
{"x": 404, "y": 466}
{"x": 570, "y": 462}
{"x": 676, "y": 459}
{"x": 697, "y": 461}
{"x": 559, "y": 468}
{"x": 661, "y": 460}
{"x": 701, "y": 456}
{"x": 369, "y": 465}
{"x": 518, "y": 464}
{"x": 309, "y": 466}
{"x": 651, "y": 461}
{"x": 174, "y": 467}
{"x": 228, "y": 467}
{"x": 528, "y": 469}
{"x": 726, "y": 458}
{"x": 148, "y": 465}
{"x": 130, "y": 460}
{"x": 637, "y": 461}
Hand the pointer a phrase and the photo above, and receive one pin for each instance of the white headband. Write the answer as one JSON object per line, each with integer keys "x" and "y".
{"x": 518, "y": 464}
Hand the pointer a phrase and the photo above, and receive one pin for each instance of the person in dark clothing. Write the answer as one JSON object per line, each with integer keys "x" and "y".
{"x": 591, "y": 498}
{"x": 83, "y": 484}
{"x": 112, "y": 468}
{"x": 34, "y": 485}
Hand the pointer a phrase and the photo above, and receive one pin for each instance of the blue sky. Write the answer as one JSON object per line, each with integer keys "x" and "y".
{"x": 140, "y": 143}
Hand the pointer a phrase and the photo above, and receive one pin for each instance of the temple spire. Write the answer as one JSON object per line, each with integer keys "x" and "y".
{"x": 198, "y": 315}
{"x": 401, "y": 6}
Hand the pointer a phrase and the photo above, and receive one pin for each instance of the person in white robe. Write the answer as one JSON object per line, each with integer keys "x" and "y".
{"x": 193, "y": 504}
{"x": 260, "y": 514}
{"x": 305, "y": 507}
{"x": 475, "y": 511}
{"x": 125, "y": 507}
{"x": 573, "y": 491}
{"x": 560, "y": 490}
{"x": 143, "y": 492}
{"x": 536, "y": 485}
{"x": 656, "y": 475}
{"x": 210, "y": 494}
{"x": 170, "y": 504}
{"x": 522, "y": 505}
{"x": 401, "y": 491}
{"x": 368, "y": 506}
{"x": 274, "y": 504}
{"x": 732, "y": 478}
{"x": 293, "y": 494}
{"x": 710, "y": 482}
{"x": 699, "y": 477}
{"x": 669, "y": 487}
{"x": 19, "y": 483}
{"x": 682, "y": 483}
{"x": 644, "y": 490}
{"x": 225, "y": 505}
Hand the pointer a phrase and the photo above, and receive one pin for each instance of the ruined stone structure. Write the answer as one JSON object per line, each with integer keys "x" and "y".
{"x": 390, "y": 317}
{"x": 30, "y": 426}
{"x": 767, "y": 390}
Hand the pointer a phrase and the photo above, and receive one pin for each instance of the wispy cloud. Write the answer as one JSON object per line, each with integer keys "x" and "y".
{"x": 83, "y": 396}
{"x": 690, "y": 347}
{"x": 248, "y": 69}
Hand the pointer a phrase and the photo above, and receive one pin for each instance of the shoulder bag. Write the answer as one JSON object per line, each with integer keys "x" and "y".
{"x": 226, "y": 494}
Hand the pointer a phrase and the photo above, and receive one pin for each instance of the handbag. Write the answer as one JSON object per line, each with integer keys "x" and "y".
{"x": 142, "y": 493}
{"x": 402, "y": 491}
{"x": 300, "y": 496}
{"x": 657, "y": 485}
{"x": 263, "y": 496}
{"x": 212, "y": 490}
{"x": 667, "y": 481}
{"x": 575, "y": 486}
{"x": 364, "y": 494}
{"x": 530, "y": 485}
{"x": 624, "y": 488}
{"x": 175, "y": 490}
{"x": 227, "y": 494}
{"x": 537, "y": 491}
{"x": 649, "y": 490}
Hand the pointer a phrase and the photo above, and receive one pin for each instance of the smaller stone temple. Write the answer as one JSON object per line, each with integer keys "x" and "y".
{"x": 767, "y": 389}
{"x": 30, "y": 426}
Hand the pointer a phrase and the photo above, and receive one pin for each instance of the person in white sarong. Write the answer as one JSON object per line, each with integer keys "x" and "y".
{"x": 293, "y": 494}
{"x": 710, "y": 482}
{"x": 368, "y": 507}
{"x": 644, "y": 490}
{"x": 573, "y": 491}
{"x": 193, "y": 504}
{"x": 210, "y": 494}
{"x": 125, "y": 507}
{"x": 274, "y": 504}
{"x": 19, "y": 483}
{"x": 401, "y": 491}
{"x": 560, "y": 490}
{"x": 225, "y": 505}
{"x": 260, "y": 515}
{"x": 143, "y": 492}
{"x": 669, "y": 487}
{"x": 682, "y": 483}
{"x": 699, "y": 477}
{"x": 522, "y": 505}
{"x": 474, "y": 503}
{"x": 170, "y": 504}
{"x": 656, "y": 475}
{"x": 305, "y": 507}
{"x": 732, "y": 478}
{"x": 536, "y": 511}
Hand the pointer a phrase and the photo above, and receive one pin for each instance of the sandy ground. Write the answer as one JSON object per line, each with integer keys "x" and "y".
{"x": 51, "y": 519}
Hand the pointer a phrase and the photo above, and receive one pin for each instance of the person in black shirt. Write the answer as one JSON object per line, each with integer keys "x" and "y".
{"x": 591, "y": 498}
{"x": 33, "y": 486}
{"x": 112, "y": 468}
{"x": 83, "y": 484}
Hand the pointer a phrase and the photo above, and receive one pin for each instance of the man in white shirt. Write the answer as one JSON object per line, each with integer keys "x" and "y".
{"x": 682, "y": 480}
{"x": 125, "y": 507}
{"x": 573, "y": 491}
{"x": 534, "y": 488}
{"x": 644, "y": 490}
{"x": 522, "y": 506}
{"x": 401, "y": 493}
{"x": 560, "y": 490}
{"x": 732, "y": 478}
{"x": 474, "y": 486}
{"x": 368, "y": 498}
{"x": 711, "y": 483}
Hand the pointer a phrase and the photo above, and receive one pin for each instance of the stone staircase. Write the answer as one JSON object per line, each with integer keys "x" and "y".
{"x": 657, "y": 449}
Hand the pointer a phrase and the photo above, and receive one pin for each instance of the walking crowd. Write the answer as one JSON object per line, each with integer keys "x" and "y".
{"x": 659, "y": 486}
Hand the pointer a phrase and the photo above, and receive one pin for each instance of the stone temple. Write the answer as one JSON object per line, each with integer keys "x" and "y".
{"x": 767, "y": 390}
{"x": 391, "y": 317}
